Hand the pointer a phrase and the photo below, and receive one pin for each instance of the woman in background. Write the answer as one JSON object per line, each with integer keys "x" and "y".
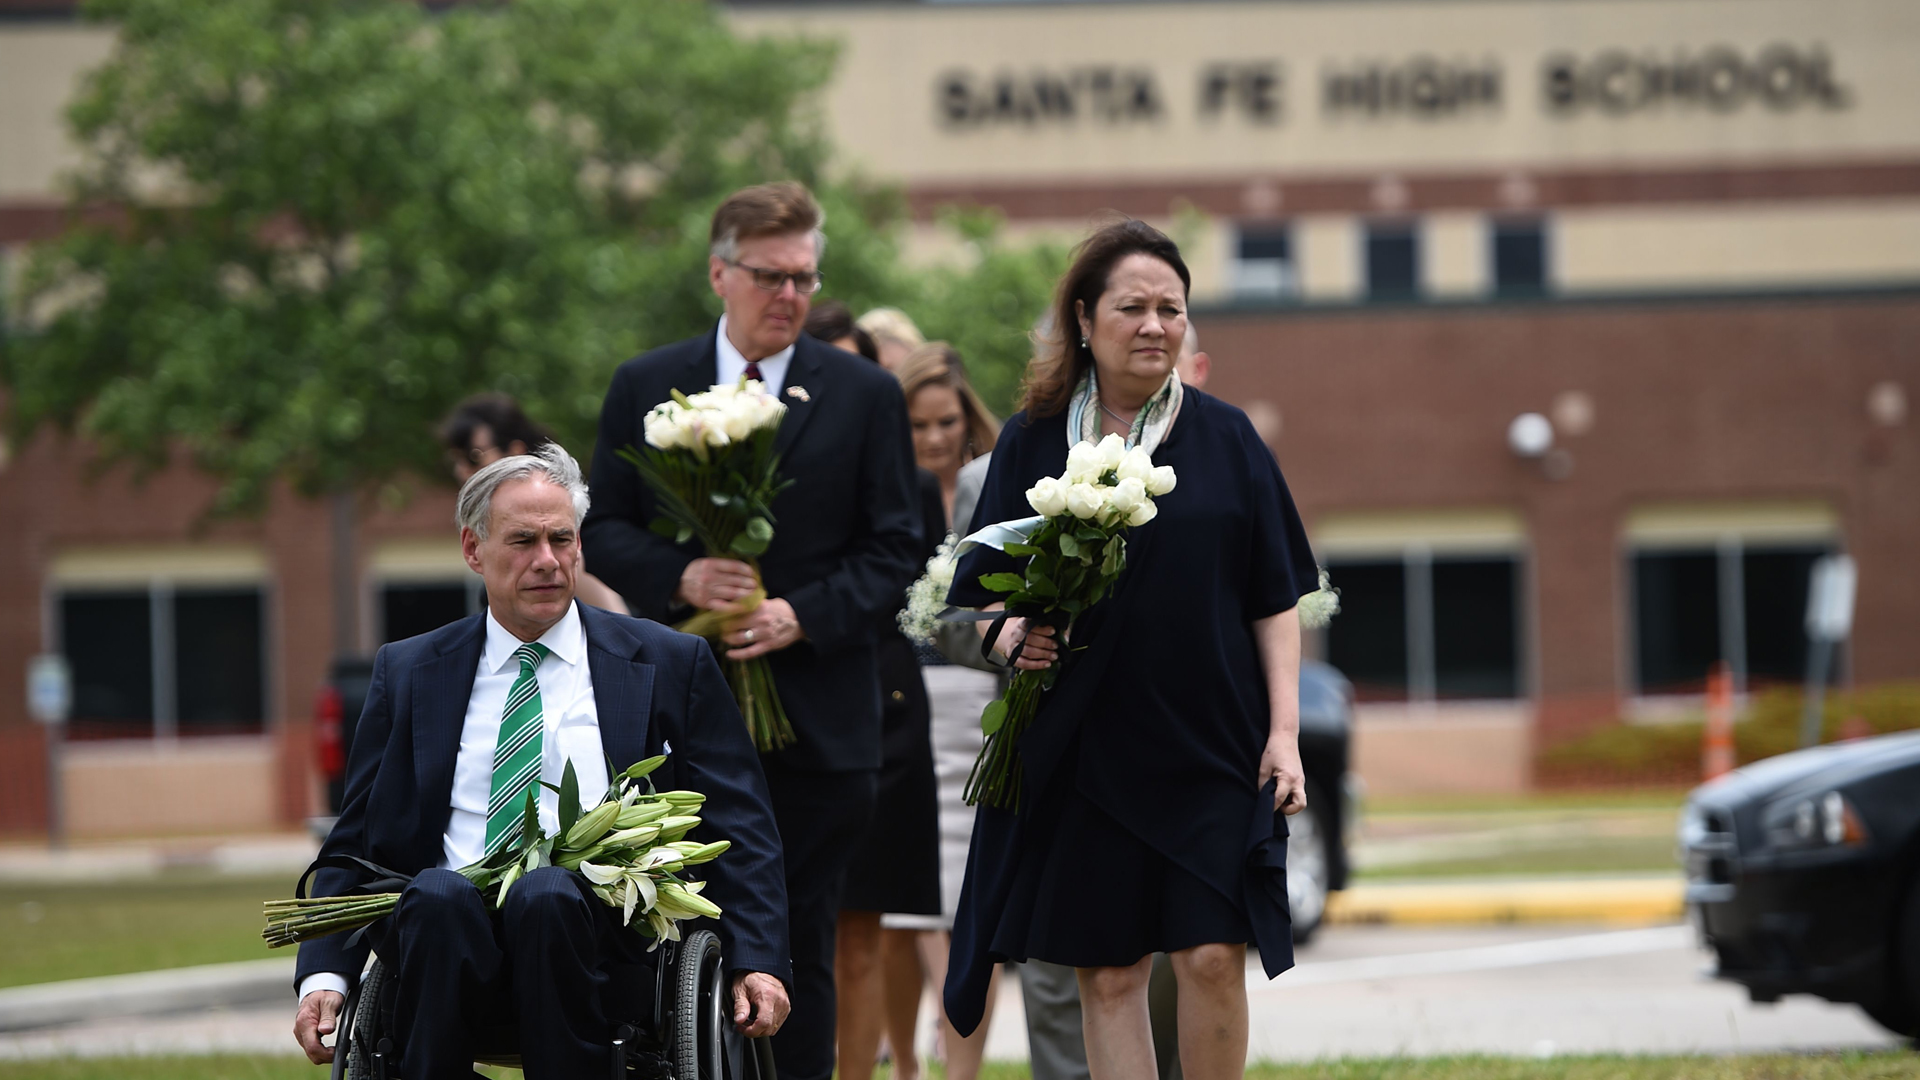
{"x": 951, "y": 427}
{"x": 897, "y": 871}
{"x": 487, "y": 427}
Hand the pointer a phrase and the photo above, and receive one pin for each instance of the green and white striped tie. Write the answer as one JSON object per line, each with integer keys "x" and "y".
{"x": 517, "y": 755}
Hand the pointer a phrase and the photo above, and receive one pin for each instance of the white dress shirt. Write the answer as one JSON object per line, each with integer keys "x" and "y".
{"x": 732, "y": 365}
{"x": 571, "y": 732}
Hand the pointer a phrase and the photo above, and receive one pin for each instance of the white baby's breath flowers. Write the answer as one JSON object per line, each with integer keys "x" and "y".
{"x": 927, "y": 596}
{"x": 1318, "y": 608}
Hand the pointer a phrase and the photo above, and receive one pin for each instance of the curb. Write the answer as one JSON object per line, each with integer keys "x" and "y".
{"x": 249, "y": 982}
{"x": 1610, "y": 901}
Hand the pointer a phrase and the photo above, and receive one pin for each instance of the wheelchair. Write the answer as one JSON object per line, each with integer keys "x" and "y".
{"x": 685, "y": 1032}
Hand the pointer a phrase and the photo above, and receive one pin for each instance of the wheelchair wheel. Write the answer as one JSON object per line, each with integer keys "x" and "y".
{"x": 364, "y": 1025}
{"x": 700, "y": 1014}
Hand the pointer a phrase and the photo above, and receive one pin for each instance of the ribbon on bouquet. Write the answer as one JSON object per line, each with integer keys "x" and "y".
{"x": 997, "y": 536}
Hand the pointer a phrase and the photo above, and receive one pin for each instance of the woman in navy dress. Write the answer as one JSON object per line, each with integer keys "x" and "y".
{"x": 1160, "y": 765}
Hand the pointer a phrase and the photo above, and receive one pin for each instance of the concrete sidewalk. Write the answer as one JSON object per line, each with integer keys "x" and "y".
{"x": 249, "y": 983}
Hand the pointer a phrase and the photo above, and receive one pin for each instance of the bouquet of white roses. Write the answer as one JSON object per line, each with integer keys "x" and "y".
{"x": 1075, "y": 550}
{"x": 710, "y": 461}
{"x": 631, "y": 847}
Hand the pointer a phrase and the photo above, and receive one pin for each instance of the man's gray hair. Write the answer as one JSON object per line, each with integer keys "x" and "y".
{"x": 474, "y": 509}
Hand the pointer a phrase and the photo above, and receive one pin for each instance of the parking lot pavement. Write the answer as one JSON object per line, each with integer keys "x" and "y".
{"x": 1357, "y": 992}
{"x": 1536, "y": 990}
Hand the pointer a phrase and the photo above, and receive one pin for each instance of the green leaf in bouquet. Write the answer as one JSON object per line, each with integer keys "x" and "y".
{"x": 1069, "y": 547}
{"x": 639, "y": 769}
{"x": 530, "y": 824}
{"x": 1090, "y": 534}
{"x": 1116, "y": 557}
{"x": 1042, "y": 586}
{"x": 748, "y": 546}
{"x": 666, "y": 527}
{"x": 760, "y": 528}
{"x": 569, "y": 798}
{"x": 994, "y": 715}
{"x": 1023, "y": 549}
{"x": 1002, "y": 582}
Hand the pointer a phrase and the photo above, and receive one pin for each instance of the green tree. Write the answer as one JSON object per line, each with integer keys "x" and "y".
{"x": 335, "y": 218}
{"x": 987, "y": 304}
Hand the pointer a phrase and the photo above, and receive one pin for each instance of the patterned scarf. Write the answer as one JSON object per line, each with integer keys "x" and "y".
{"x": 1150, "y": 424}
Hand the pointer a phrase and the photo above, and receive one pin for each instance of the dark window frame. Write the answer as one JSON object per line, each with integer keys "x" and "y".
{"x": 1517, "y": 229}
{"x": 1429, "y": 670}
{"x": 1375, "y": 238}
{"x": 1734, "y": 559}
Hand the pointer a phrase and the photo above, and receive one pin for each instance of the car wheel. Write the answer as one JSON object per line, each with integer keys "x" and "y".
{"x": 1899, "y": 1011}
{"x": 1309, "y": 865}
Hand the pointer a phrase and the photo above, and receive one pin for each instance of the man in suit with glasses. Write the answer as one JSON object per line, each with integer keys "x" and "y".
{"x": 844, "y": 550}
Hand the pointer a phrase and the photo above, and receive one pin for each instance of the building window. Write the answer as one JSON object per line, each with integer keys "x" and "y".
{"x": 1519, "y": 258}
{"x": 416, "y": 607}
{"x": 1393, "y": 261}
{"x": 1428, "y": 626}
{"x": 1263, "y": 266}
{"x": 1740, "y": 601}
{"x": 165, "y": 660}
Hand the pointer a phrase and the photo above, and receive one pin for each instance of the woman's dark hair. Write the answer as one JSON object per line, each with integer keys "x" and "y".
{"x": 833, "y": 320}
{"x": 503, "y": 418}
{"x": 1059, "y": 360}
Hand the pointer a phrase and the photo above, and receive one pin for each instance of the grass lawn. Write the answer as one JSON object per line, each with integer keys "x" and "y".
{"x": 1772, "y": 1067}
{"x": 1581, "y": 855}
{"x": 52, "y": 932}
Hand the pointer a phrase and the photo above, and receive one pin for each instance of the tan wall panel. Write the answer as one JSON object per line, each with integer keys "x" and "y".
{"x": 1780, "y": 244}
{"x": 1453, "y": 255}
{"x": 194, "y": 786}
{"x": 1440, "y": 750}
{"x": 40, "y": 67}
{"x": 1328, "y": 250}
{"x": 884, "y": 107}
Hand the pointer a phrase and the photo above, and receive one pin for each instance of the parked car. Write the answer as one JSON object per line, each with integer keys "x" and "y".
{"x": 336, "y": 711}
{"x": 1803, "y": 875}
{"x": 1317, "y": 836}
{"x": 1317, "y": 863}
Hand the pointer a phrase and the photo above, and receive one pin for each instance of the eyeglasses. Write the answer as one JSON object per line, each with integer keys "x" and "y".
{"x": 806, "y": 283}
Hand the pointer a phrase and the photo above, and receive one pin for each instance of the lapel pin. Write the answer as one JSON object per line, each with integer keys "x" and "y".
{"x": 798, "y": 393}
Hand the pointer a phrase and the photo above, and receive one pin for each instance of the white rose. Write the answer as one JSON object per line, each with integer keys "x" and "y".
{"x": 662, "y": 434}
{"x": 1083, "y": 463}
{"x": 1085, "y": 501}
{"x": 1048, "y": 497}
{"x": 1143, "y": 513}
{"x": 736, "y": 421}
{"x": 1113, "y": 449}
{"x": 1160, "y": 480}
{"x": 1135, "y": 465}
{"x": 1126, "y": 496}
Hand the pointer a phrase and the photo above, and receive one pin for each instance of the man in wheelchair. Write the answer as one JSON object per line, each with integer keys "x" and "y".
{"x": 459, "y": 724}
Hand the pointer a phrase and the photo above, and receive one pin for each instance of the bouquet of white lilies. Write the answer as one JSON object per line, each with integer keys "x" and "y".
{"x": 710, "y": 461}
{"x": 632, "y": 847}
{"x": 1075, "y": 550}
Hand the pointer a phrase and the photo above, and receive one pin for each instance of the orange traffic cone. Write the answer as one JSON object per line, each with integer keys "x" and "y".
{"x": 1716, "y": 749}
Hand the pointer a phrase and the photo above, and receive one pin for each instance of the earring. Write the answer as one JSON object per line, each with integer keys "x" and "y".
{"x": 1083, "y": 341}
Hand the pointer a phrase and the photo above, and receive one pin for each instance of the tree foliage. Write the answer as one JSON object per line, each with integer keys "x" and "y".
{"x": 335, "y": 218}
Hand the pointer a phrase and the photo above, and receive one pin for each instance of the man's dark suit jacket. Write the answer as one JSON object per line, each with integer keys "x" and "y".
{"x": 651, "y": 687}
{"x": 846, "y": 536}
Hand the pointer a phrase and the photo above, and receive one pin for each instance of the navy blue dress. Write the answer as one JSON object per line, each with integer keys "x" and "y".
{"x": 1141, "y": 827}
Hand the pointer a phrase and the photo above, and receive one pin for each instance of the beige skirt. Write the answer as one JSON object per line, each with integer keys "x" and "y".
{"x": 957, "y": 694}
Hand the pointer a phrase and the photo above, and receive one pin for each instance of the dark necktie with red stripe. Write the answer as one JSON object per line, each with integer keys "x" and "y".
{"x": 753, "y": 371}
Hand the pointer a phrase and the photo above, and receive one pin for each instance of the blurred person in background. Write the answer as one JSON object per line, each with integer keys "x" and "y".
{"x": 487, "y": 427}
{"x": 952, "y": 427}
{"x": 846, "y": 545}
{"x": 895, "y": 873}
{"x": 1084, "y": 871}
{"x": 893, "y": 333}
{"x": 832, "y": 322}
